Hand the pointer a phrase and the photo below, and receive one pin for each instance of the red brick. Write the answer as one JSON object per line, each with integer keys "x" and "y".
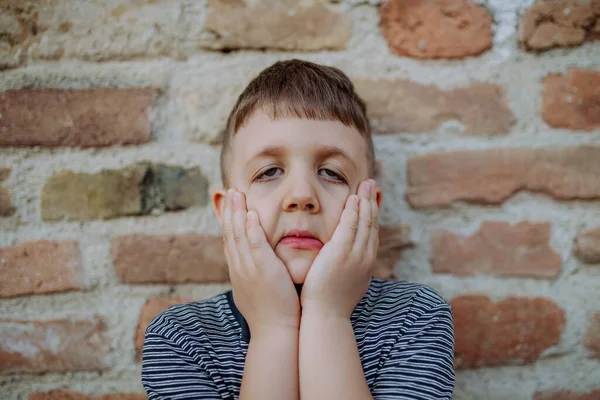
{"x": 153, "y": 307}
{"x": 587, "y": 246}
{"x": 497, "y": 249}
{"x": 566, "y": 395}
{"x": 572, "y": 100}
{"x": 40, "y": 267}
{"x": 75, "y": 118}
{"x": 393, "y": 240}
{"x": 592, "y": 336}
{"x": 513, "y": 331}
{"x": 276, "y": 25}
{"x": 436, "y": 29}
{"x": 491, "y": 176}
{"x": 557, "y": 23}
{"x": 7, "y": 207}
{"x": 180, "y": 258}
{"x": 66, "y": 394}
{"x": 53, "y": 346}
{"x": 399, "y": 106}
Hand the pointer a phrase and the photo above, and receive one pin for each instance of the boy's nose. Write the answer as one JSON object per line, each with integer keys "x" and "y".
{"x": 301, "y": 204}
{"x": 301, "y": 197}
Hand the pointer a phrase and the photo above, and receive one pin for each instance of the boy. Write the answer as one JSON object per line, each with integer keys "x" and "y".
{"x": 304, "y": 319}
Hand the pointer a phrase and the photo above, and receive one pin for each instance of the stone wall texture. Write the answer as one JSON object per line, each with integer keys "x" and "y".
{"x": 486, "y": 116}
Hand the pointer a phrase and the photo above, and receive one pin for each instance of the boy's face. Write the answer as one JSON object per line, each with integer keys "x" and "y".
{"x": 297, "y": 175}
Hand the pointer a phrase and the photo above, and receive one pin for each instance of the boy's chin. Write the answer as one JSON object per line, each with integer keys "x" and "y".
{"x": 298, "y": 265}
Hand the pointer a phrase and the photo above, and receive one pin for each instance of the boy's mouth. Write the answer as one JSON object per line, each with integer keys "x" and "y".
{"x": 302, "y": 240}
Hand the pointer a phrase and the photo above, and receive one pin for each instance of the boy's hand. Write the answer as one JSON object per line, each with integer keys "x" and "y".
{"x": 341, "y": 273}
{"x": 262, "y": 287}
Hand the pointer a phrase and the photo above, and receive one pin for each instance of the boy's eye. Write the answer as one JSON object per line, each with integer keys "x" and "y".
{"x": 270, "y": 173}
{"x": 329, "y": 174}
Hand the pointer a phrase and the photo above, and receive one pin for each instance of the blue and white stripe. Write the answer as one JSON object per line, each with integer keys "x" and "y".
{"x": 403, "y": 331}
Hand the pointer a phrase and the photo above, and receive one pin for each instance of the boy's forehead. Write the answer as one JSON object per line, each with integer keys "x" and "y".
{"x": 270, "y": 137}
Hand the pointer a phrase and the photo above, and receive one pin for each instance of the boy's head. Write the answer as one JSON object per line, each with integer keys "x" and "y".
{"x": 297, "y": 144}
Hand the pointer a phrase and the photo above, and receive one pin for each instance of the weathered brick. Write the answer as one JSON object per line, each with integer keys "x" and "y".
{"x": 141, "y": 189}
{"x": 393, "y": 240}
{"x": 572, "y": 100}
{"x": 7, "y": 206}
{"x": 107, "y": 194}
{"x": 124, "y": 30}
{"x": 53, "y": 346}
{"x": 66, "y": 394}
{"x": 110, "y": 30}
{"x": 40, "y": 267}
{"x": 308, "y": 25}
{"x": 177, "y": 258}
{"x": 513, "y": 331}
{"x": 153, "y": 307}
{"x": 436, "y": 29}
{"x": 587, "y": 246}
{"x": 10, "y": 57}
{"x": 497, "y": 249}
{"x": 491, "y": 176}
{"x": 564, "y": 394}
{"x": 18, "y": 26}
{"x": 558, "y": 23}
{"x": 592, "y": 336}
{"x": 398, "y": 105}
{"x": 75, "y": 118}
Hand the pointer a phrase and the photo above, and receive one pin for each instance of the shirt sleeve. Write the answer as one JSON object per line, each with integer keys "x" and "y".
{"x": 420, "y": 366}
{"x": 169, "y": 373}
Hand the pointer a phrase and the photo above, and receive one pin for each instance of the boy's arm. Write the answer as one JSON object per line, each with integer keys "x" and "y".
{"x": 330, "y": 366}
{"x": 329, "y": 362}
{"x": 271, "y": 369}
{"x": 265, "y": 295}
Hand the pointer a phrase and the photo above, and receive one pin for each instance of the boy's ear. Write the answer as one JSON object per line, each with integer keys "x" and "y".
{"x": 218, "y": 202}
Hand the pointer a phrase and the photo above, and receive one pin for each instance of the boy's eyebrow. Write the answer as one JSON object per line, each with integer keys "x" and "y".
{"x": 323, "y": 152}
{"x": 270, "y": 152}
{"x": 332, "y": 151}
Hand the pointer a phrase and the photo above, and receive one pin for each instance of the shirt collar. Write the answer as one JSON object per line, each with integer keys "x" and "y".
{"x": 240, "y": 318}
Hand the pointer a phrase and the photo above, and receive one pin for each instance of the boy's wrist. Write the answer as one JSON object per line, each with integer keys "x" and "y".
{"x": 275, "y": 332}
{"x": 320, "y": 312}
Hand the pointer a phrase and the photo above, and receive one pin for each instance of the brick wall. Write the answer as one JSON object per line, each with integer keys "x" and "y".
{"x": 487, "y": 117}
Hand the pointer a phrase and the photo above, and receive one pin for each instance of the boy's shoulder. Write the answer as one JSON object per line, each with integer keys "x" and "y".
{"x": 193, "y": 317}
{"x": 400, "y": 297}
{"x": 391, "y": 310}
{"x": 403, "y": 291}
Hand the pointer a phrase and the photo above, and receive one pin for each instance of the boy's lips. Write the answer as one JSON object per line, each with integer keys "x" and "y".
{"x": 302, "y": 240}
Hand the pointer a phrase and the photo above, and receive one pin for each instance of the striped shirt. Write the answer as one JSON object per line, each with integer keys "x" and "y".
{"x": 403, "y": 332}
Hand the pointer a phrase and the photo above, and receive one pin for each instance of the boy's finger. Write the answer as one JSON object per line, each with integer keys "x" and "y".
{"x": 228, "y": 240}
{"x": 261, "y": 251}
{"x": 239, "y": 232}
{"x": 346, "y": 230}
{"x": 364, "y": 219}
{"x": 373, "y": 244}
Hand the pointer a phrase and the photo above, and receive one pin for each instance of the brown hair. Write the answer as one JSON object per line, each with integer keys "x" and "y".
{"x": 300, "y": 89}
